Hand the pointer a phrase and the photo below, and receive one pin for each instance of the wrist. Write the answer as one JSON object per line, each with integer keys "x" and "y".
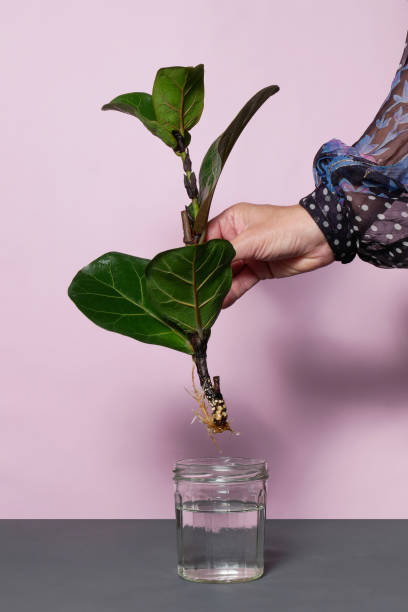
{"x": 312, "y": 237}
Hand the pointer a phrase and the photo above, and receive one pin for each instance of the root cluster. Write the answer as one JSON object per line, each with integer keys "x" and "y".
{"x": 204, "y": 415}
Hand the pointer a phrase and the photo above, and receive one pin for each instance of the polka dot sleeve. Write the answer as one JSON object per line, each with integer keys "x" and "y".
{"x": 361, "y": 197}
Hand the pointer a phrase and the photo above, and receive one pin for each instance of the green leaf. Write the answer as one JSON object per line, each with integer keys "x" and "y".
{"x": 139, "y": 104}
{"x": 178, "y": 97}
{"x": 218, "y": 152}
{"x": 187, "y": 285}
{"x": 111, "y": 291}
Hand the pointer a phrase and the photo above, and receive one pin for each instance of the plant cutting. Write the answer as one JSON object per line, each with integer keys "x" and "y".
{"x": 174, "y": 299}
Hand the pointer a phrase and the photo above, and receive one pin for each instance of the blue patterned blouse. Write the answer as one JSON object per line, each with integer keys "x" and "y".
{"x": 361, "y": 197}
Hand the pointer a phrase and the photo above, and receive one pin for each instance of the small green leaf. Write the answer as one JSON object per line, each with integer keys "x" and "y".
{"x": 139, "y": 104}
{"x": 187, "y": 285}
{"x": 178, "y": 97}
{"x": 111, "y": 291}
{"x": 218, "y": 152}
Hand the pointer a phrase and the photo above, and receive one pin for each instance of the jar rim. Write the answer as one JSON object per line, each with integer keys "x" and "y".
{"x": 220, "y": 469}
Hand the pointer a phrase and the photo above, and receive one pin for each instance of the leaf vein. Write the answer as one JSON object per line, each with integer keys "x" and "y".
{"x": 143, "y": 307}
{"x": 174, "y": 274}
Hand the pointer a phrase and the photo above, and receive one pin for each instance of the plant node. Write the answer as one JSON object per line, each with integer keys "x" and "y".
{"x": 205, "y": 417}
{"x": 180, "y": 147}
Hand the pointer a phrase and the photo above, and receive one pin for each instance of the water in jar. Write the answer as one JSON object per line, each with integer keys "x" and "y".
{"x": 220, "y": 541}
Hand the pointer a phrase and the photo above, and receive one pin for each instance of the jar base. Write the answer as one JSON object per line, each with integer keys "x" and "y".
{"x": 221, "y": 575}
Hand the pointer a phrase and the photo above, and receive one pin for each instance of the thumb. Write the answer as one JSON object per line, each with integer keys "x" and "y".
{"x": 247, "y": 245}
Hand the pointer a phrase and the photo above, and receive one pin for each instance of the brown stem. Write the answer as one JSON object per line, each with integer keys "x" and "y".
{"x": 211, "y": 391}
{"x": 187, "y": 236}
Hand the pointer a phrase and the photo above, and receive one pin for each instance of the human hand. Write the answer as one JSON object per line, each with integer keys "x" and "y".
{"x": 270, "y": 242}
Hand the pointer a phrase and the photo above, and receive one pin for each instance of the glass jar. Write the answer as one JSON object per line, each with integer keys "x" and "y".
{"x": 220, "y": 518}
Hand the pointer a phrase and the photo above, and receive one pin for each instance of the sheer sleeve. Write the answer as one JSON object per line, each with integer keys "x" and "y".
{"x": 361, "y": 197}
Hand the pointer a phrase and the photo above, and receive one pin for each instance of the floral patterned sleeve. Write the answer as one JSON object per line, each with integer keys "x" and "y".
{"x": 361, "y": 197}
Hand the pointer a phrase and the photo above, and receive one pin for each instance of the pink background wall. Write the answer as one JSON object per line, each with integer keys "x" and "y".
{"x": 314, "y": 368}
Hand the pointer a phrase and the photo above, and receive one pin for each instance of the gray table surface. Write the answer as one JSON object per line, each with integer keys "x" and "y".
{"x": 130, "y": 565}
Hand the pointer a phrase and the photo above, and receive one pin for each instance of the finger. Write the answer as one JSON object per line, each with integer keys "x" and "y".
{"x": 240, "y": 285}
{"x": 214, "y": 229}
{"x": 237, "y": 266}
{"x": 227, "y": 224}
{"x": 246, "y": 245}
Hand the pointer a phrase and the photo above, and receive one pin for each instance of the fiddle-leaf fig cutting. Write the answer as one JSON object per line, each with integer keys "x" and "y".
{"x": 174, "y": 299}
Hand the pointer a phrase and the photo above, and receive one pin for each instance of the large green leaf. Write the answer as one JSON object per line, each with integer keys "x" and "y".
{"x": 139, "y": 104}
{"x": 218, "y": 152}
{"x": 187, "y": 285}
{"x": 178, "y": 97}
{"x": 111, "y": 291}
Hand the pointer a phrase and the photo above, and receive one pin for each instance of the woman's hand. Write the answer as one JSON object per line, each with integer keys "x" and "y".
{"x": 270, "y": 242}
